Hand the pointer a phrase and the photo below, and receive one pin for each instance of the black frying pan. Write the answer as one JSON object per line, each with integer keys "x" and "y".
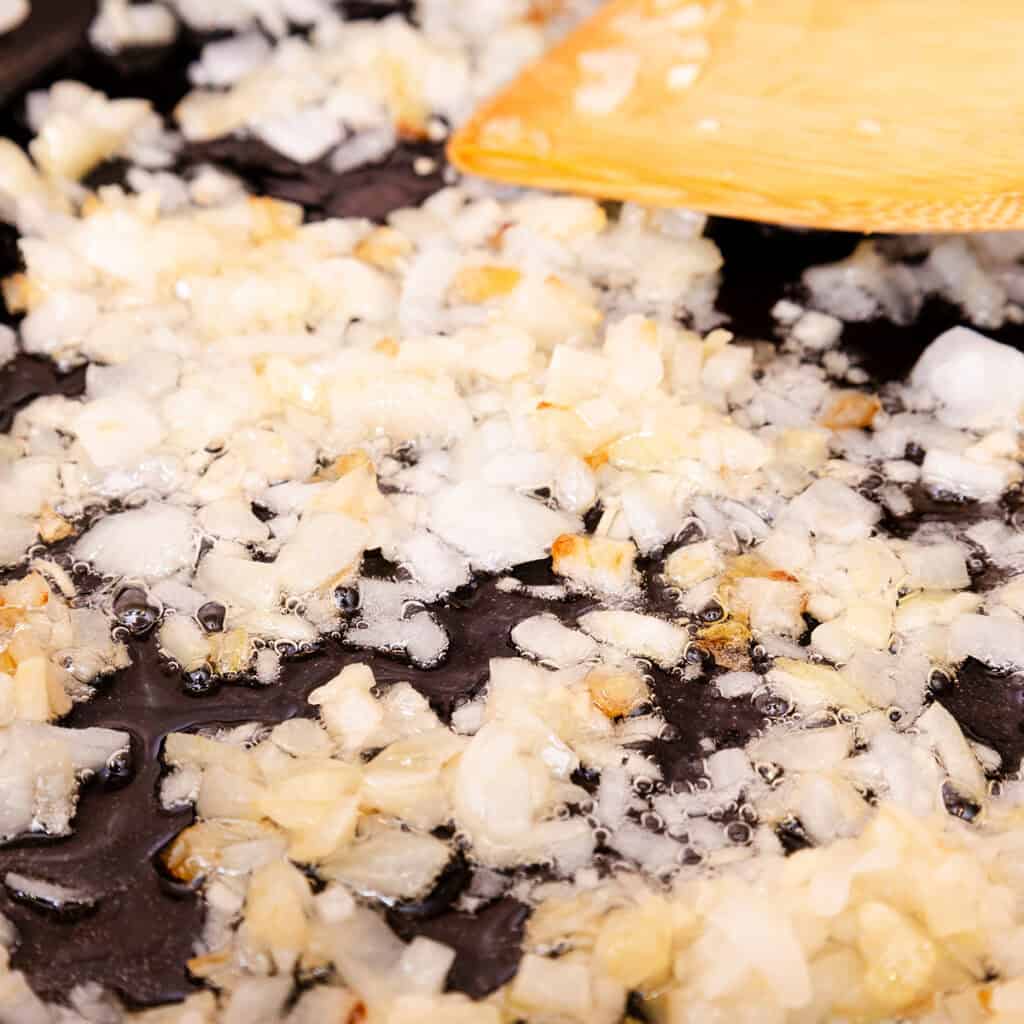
{"x": 139, "y": 936}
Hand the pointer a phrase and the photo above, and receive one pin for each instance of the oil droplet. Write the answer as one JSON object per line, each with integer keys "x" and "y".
{"x": 211, "y": 616}
{"x": 134, "y": 611}
{"x": 769, "y": 771}
{"x": 959, "y": 805}
{"x": 771, "y": 705}
{"x": 199, "y": 682}
{"x": 738, "y": 832}
{"x": 642, "y": 785}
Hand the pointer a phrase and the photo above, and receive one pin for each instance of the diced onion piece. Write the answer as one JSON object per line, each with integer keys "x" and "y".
{"x": 995, "y": 641}
{"x": 155, "y": 540}
{"x": 496, "y": 527}
{"x": 810, "y": 686}
{"x": 545, "y": 985}
{"x": 390, "y": 864}
{"x": 694, "y": 563}
{"x": 833, "y": 510}
{"x": 595, "y": 563}
{"x": 976, "y": 381}
{"x": 549, "y": 640}
{"x": 641, "y": 635}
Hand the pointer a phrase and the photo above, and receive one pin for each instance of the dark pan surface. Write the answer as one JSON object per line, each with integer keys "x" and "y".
{"x": 141, "y": 933}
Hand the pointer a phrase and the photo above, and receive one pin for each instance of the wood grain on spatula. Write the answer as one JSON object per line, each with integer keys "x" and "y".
{"x": 867, "y": 115}
{"x": 53, "y": 29}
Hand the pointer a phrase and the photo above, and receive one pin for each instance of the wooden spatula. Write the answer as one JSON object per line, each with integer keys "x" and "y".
{"x": 870, "y": 115}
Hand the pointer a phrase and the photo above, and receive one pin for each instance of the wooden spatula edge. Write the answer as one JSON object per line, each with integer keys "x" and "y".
{"x": 803, "y": 113}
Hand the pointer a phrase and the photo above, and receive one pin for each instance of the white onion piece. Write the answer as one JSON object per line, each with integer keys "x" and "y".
{"x": 225, "y": 61}
{"x": 366, "y": 952}
{"x": 47, "y": 894}
{"x": 257, "y": 1001}
{"x": 957, "y": 474}
{"x": 155, "y": 540}
{"x": 434, "y": 564}
{"x": 424, "y": 966}
{"x": 496, "y": 527}
{"x": 729, "y": 769}
{"x": 976, "y": 381}
{"x": 12, "y": 14}
{"x": 322, "y": 546}
{"x": 737, "y": 684}
{"x": 121, "y": 26}
{"x": 18, "y": 1003}
{"x": 834, "y": 511}
{"x": 614, "y": 797}
{"x": 39, "y": 769}
{"x": 391, "y": 864}
{"x": 498, "y": 793}
{"x": 388, "y": 622}
{"x": 548, "y": 640}
{"x": 805, "y": 750}
{"x": 237, "y": 582}
{"x": 365, "y": 147}
{"x": 559, "y": 986}
{"x": 117, "y": 431}
{"x": 653, "y": 852}
{"x": 16, "y": 536}
{"x": 182, "y": 639}
{"x": 943, "y": 733}
{"x": 303, "y": 137}
{"x": 641, "y": 635}
{"x": 939, "y": 566}
{"x": 232, "y": 519}
{"x": 995, "y": 641}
